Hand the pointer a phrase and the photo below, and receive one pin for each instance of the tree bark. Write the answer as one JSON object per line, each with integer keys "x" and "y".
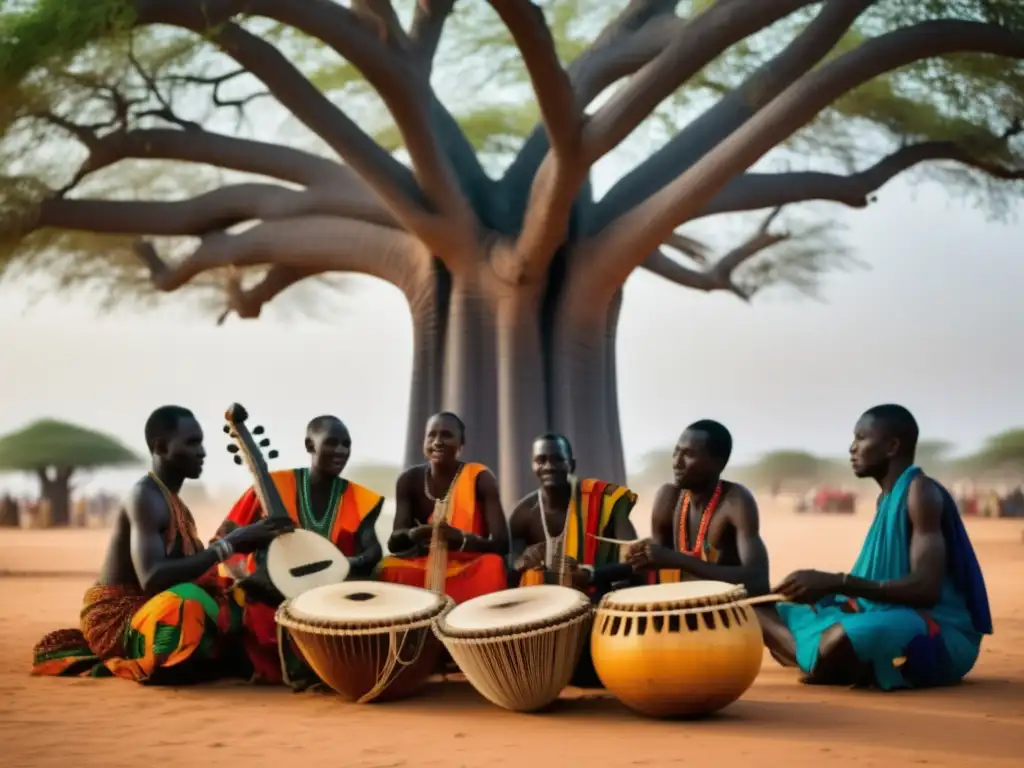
{"x": 522, "y": 395}
{"x": 429, "y": 316}
{"x": 55, "y": 487}
{"x": 470, "y": 383}
{"x": 584, "y": 386}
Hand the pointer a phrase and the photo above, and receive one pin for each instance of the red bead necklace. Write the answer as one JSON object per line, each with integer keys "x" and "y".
{"x": 705, "y": 521}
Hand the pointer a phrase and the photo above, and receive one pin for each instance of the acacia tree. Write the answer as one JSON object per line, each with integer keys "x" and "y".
{"x": 54, "y": 451}
{"x": 514, "y": 283}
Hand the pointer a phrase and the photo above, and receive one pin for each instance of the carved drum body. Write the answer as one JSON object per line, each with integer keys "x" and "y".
{"x": 367, "y": 640}
{"x": 675, "y": 650}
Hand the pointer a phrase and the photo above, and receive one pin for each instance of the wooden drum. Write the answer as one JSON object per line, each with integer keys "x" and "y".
{"x": 367, "y": 640}
{"x": 518, "y": 647}
{"x": 672, "y": 650}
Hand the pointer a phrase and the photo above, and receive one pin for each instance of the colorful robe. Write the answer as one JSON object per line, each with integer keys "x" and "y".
{"x": 594, "y": 511}
{"x": 907, "y": 648}
{"x": 356, "y": 513}
{"x": 469, "y": 574}
{"x": 167, "y": 637}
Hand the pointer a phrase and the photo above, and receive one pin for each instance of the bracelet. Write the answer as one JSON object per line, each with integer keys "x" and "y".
{"x": 465, "y": 538}
{"x": 223, "y": 550}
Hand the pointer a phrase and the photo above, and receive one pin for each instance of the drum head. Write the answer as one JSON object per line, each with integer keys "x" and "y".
{"x": 516, "y": 608}
{"x": 301, "y": 560}
{"x": 680, "y": 593}
{"x": 364, "y": 602}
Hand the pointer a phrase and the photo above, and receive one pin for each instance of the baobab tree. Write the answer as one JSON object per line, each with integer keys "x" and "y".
{"x": 513, "y": 282}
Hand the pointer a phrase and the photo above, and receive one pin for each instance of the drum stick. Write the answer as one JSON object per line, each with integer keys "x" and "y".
{"x": 613, "y": 541}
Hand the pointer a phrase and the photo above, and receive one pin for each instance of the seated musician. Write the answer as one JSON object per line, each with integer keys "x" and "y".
{"x": 565, "y": 516}
{"x": 158, "y": 613}
{"x": 704, "y": 527}
{"x": 476, "y": 532}
{"x": 913, "y": 609}
{"x": 317, "y": 499}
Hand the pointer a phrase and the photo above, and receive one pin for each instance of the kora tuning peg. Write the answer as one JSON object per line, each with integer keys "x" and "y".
{"x": 258, "y": 430}
{"x": 232, "y": 448}
{"x": 272, "y": 454}
{"x": 227, "y": 429}
{"x": 264, "y": 442}
{"x": 238, "y": 459}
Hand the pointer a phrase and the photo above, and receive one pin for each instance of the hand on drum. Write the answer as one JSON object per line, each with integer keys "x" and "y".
{"x": 645, "y": 555}
{"x": 533, "y": 557}
{"x": 809, "y": 586}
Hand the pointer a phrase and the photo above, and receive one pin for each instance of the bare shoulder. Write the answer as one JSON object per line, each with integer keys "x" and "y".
{"x": 409, "y": 477}
{"x": 740, "y": 503}
{"x": 924, "y": 500}
{"x": 147, "y": 506}
{"x": 664, "y": 500}
{"x": 486, "y": 481}
{"x": 521, "y": 514}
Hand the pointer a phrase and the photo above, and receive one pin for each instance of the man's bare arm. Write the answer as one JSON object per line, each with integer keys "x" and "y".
{"x": 922, "y": 588}
{"x": 156, "y": 572}
{"x": 661, "y": 516}
{"x": 497, "y": 537}
{"x": 752, "y": 572}
{"x": 369, "y": 545}
{"x": 519, "y": 529}
{"x": 405, "y": 489}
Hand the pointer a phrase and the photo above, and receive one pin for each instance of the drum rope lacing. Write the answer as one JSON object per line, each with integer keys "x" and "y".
{"x": 421, "y": 625}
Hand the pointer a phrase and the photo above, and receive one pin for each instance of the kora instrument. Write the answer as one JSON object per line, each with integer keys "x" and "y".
{"x": 518, "y": 647}
{"x": 296, "y": 561}
{"x": 674, "y": 650}
{"x": 367, "y": 640}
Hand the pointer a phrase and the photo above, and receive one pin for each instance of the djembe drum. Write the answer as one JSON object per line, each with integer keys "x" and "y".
{"x": 367, "y": 640}
{"x": 673, "y": 650}
{"x": 518, "y": 647}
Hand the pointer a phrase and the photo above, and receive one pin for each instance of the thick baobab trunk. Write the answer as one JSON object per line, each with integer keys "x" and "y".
{"x": 511, "y": 377}
{"x": 428, "y": 308}
{"x": 470, "y": 383}
{"x": 55, "y": 487}
{"x": 522, "y": 389}
{"x": 584, "y": 386}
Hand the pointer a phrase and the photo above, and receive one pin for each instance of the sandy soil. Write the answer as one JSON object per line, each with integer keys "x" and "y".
{"x": 51, "y": 722}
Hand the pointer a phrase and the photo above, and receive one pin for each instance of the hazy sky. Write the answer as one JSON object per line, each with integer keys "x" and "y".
{"x": 935, "y": 324}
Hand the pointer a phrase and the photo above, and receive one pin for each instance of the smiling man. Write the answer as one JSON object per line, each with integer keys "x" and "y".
{"x": 564, "y": 518}
{"x": 913, "y": 609}
{"x": 476, "y": 531}
{"x": 318, "y": 499}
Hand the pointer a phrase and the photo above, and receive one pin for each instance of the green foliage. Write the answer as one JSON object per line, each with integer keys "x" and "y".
{"x": 70, "y": 58}
{"x": 1003, "y": 451}
{"x": 781, "y": 467}
{"x": 51, "y": 443}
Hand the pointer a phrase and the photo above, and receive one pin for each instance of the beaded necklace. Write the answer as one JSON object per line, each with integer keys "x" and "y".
{"x": 321, "y": 525}
{"x": 705, "y": 521}
{"x": 448, "y": 491}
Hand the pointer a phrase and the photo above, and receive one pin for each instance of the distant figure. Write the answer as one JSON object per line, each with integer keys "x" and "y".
{"x": 704, "y": 527}
{"x": 157, "y": 614}
{"x": 318, "y": 499}
{"x": 476, "y": 531}
{"x": 912, "y": 611}
{"x": 9, "y": 517}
